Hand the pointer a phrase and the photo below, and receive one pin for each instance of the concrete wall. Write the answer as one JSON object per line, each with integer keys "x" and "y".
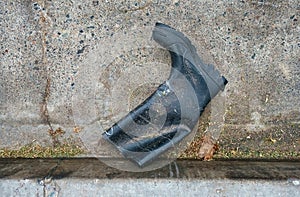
{"x": 46, "y": 45}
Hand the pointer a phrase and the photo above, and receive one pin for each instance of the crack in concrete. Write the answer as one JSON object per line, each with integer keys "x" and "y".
{"x": 50, "y": 187}
{"x": 43, "y": 20}
{"x": 44, "y": 108}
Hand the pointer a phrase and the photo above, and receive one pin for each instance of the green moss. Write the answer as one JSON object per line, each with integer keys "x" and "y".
{"x": 222, "y": 154}
{"x": 65, "y": 149}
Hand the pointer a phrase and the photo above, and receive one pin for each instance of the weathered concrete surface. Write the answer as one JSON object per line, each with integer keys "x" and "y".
{"x": 99, "y": 187}
{"x": 255, "y": 44}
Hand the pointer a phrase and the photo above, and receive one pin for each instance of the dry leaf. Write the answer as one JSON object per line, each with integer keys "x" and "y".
{"x": 208, "y": 148}
{"x": 76, "y": 129}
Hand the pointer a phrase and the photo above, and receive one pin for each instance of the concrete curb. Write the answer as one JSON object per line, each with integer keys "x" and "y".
{"x": 146, "y": 187}
{"x": 90, "y": 177}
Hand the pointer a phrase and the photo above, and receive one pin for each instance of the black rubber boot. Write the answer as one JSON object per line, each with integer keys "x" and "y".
{"x": 173, "y": 110}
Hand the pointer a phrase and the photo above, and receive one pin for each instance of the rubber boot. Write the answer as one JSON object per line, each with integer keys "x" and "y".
{"x": 173, "y": 110}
